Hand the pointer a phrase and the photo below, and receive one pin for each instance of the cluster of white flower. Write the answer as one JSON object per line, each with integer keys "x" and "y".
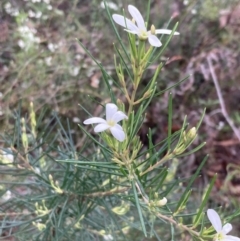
{"x": 54, "y": 46}
{"x": 28, "y": 37}
{"x": 38, "y": 14}
{"x": 140, "y": 27}
{"x": 113, "y": 116}
{"x": 11, "y": 10}
{"x": 74, "y": 70}
{"x": 33, "y": 14}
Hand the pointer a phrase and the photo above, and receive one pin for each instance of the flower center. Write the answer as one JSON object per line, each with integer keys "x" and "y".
{"x": 219, "y": 237}
{"x": 111, "y": 123}
{"x": 143, "y": 35}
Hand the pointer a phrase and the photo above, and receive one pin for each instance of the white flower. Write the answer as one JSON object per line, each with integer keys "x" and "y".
{"x": 110, "y": 5}
{"x": 6, "y": 196}
{"x": 48, "y": 61}
{"x": 108, "y": 237}
{"x": 140, "y": 28}
{"x": 162, "y": 202}
{"x": 113, "y": 116}
{"x": 52, "y": 47}
{"x": 6, "y": 157}
{"x": 221, "y": 230}
{"x": 74, "y": 71}
{"x": 37, "y": 170}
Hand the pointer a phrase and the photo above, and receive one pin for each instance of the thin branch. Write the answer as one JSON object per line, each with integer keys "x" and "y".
{"x": 170, "y": 219}
{"x": 221, "y": 101}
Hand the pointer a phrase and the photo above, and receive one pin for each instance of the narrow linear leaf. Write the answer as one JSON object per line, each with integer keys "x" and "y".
{"x": 139, "y": 209}
{"x": 169, "y": 120}
{"x": 116, "y": 32}
{"x": 203, "y": 204}
{"x": 190, "y": 182}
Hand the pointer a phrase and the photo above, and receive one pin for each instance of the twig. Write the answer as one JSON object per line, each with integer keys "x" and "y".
{"x": 221, "y": 101}
{"x": 180, "y": 225}
{"x": 170, "y": 219}
{"x": 24, "y": 160}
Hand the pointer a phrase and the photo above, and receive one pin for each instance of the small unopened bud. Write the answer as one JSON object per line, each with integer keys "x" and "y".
{"x": 147, "y": 94}
{"x": 24, "y": 134}
{"x": 121, "y": 210}
{"x": 39, "y": 226}
{"x": 102, "y": 232}
{"x": 162, "y": 202}
{"x": 153, "y": 29}
{"x": 155, "y": 195}
{"x": 33, "y": 119}
{"x": 50, "y": 177}
{"x": 192, "y": 133}
{"x": 179, "y": 149}
{"x": 120, "y": 103}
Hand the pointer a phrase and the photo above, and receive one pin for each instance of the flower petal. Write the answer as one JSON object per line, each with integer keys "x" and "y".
{"x": 214, "y": 219}
{"x": 118, "y": 116}
{"x": 94, "y": 120}
{"x": 117, "y": 133}
{"x": 101, "y": 127}
{"x": 137, "y": 16}
{"x": 132, "y": 31}
{"x": 118, "y": 127}
{"x": 227, "y": 228}
{"x": 165, "y": 31}
{"x": 154, "y": 41}
{"x": 125, "y": 22}
{"x": 111, "y": 109}
{"x": 231, "y": 238}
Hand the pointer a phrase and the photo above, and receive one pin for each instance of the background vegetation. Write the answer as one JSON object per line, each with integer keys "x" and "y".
{"x": 42, "y": 62}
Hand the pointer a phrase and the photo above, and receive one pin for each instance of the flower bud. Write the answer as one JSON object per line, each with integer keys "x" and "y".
{"x": 33, "y": 119}
{"x": 39, "y": 226}
{"x": 162, "y": 202}
{"x": 50, "y": 177}
{"x": 155, "y": 195}
{"x": 24, "y": 134}
{"x": 153, "y": 29}
{"x": 192, "y": 133}
{"x": 121, "y": 210}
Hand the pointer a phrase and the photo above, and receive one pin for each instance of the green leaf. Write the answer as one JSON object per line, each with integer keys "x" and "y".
{"x": 171, "y": 87}
{"x": 139, "y": 209}
{"x": 169, "y": 120}
{"x": 106, "y": 77}
{"x": 116, "y": 32}
{"x": 190, "y": 182}
{"x": 94, "y": 140}
{"x": 197, "y": 219}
